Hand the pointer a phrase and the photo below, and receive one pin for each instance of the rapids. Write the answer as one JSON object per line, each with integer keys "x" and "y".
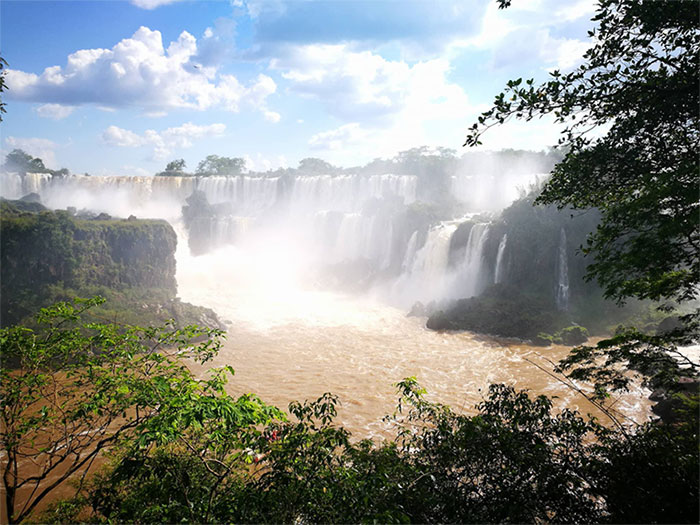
{"x": 288, "y": 341}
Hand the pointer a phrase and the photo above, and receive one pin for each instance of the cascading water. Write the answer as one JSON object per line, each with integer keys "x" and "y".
{"x": 561, "y": 294}
{"x": 425, "y": 276}
{"x": 348, "y": 193}
{"x": 410, "y": 252}
{"x": 245, "y": 194}
{"x": 498, "y": 273}
{"x": 469, "y": 273}
{"x": 11, "y": 186}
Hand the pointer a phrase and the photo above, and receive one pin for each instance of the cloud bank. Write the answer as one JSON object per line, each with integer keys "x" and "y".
{"x": 139, "y": 72}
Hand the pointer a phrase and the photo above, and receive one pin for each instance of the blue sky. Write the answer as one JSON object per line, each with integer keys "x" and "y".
{"x": 123, "y": 87}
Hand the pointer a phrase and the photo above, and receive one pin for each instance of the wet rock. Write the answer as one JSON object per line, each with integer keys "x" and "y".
{"x": 31, "y": 197}
{"x": 417, "y": 310}
{"x": 542, "y": 340}
{"x": 573, "y": 335}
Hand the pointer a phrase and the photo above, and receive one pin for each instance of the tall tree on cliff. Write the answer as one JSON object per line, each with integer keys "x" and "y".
{"x": 631, "y": 130}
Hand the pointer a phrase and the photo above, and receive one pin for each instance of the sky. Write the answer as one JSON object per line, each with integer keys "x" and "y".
{"x": 124, "y": 87}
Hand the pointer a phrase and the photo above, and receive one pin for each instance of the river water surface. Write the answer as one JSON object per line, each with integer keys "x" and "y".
{"x": 288, "y": 341}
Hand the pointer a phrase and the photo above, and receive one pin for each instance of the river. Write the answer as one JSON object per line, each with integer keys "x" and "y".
{"x": 289, "y": 341}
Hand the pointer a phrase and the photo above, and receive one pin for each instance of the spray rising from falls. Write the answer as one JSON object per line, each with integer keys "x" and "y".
{"x": 361, "y": 223}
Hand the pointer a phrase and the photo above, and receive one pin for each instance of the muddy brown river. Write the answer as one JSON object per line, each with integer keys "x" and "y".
{"x": 288, "y": 341}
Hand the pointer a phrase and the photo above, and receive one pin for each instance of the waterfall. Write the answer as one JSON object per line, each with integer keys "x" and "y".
{"x": 410, "y": 252}
{"x": 353, "y": 236}
{"x": 11, "y": 185}
{"x": 499, "y": 271}
{"x": 431, "y": 260}
{"x": 561, "y": 295}
{"x": 469, "y": 272}
{"x": 425, "y": 268}
{"x": 348, "y": 193}
{"x": 246, "y": 194}
{"x": 35, "y": 182}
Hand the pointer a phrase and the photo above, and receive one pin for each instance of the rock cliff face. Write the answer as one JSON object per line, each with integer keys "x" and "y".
{"x": 47, "y": 256}
{"x": 530, "y": 256}
{"x": 51, "y": 247}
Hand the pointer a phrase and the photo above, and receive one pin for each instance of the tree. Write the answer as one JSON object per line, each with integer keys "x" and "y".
{"x": 176, "y": 165}
{"x": 19, "y": 160}
{"x": 637, "y": 89}
{"x": 71, "y": 390}
{"x": 316, "y": 166}
{"x": 516, "y": 460}
{"x": 175, "y": 168}
{"x": 215, "y": 165}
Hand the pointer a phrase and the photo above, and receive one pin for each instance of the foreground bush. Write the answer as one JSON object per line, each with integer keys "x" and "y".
{"x": 183, "y": 450}
{"x": 515, "y": 461}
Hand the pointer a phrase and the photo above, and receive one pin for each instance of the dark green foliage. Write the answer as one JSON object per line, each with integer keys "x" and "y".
{"x": 573, "y": 335}
{"x": 136, "y": 306}
{"x": 44, "y": 249}
{"x": 18, "y": 160}
{"x": 517, "y": 460}
{"x": 513, "y": 462}
{"x": 652, "y": 475}
{"x": 313, "y": 166}
{"x": 70, "y": 390}
{"x": 638, "y": 84}
{"x": 215, "y": 165}
{"x": 175, "y": 168}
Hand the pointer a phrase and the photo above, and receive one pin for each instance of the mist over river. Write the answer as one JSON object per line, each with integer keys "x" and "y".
{"x": 288, "y": 341}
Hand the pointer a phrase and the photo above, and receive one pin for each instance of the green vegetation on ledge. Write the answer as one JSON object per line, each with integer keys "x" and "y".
{"x": 48, "y": 256}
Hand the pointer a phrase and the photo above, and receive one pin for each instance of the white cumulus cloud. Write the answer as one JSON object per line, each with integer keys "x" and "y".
{"x": 162, "y": 143}
{"x": 364, "y": 86}
{"x": 338, "y": 138}
{"x": 140, "y": 72}
{"x": 54, "y": 111}
{"x": 382, "y": 105}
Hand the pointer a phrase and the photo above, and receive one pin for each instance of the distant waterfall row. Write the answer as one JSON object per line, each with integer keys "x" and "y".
{"x": 342, "y": 219}
{"x": 247, "y": 195}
